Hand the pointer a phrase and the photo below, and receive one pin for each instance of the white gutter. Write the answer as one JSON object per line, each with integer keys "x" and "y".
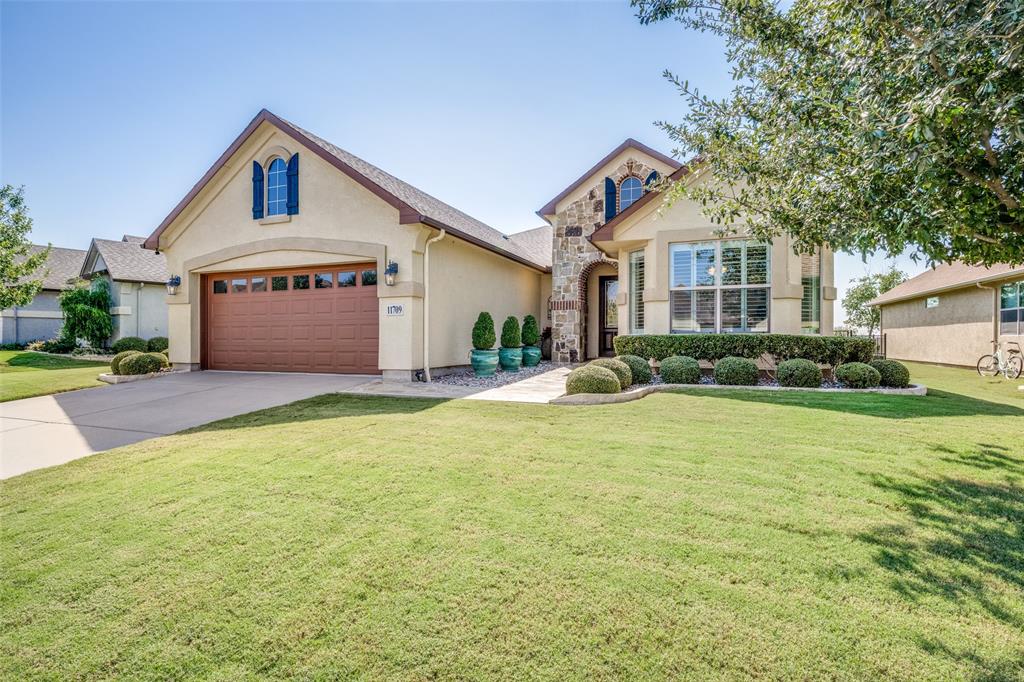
{"x": 426, "y": 304}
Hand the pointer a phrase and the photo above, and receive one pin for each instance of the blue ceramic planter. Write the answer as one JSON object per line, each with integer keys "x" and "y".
{"x": 531, "y": 356}
{"x": 511, "y": 358}
{"x": 484, "y": 362}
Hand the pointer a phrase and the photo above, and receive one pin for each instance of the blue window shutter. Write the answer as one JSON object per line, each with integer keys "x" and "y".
{"x": 293, "y": 184}
{"x": 257, "y": 190}
{"x": 652, "y": 180}
{"x": 609, "y": 199}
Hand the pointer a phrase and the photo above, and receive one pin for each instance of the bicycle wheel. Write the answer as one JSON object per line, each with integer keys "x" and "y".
{"x": 988, "y": 366}
{"x": 1013, "y": 367}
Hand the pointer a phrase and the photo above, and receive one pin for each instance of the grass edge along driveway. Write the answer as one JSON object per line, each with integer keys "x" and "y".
{"x": 25, "y": 374}
{"x": 687, "y": 536}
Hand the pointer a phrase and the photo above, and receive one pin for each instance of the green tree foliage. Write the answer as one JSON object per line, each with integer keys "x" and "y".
{"x": 21, "y": 273}
{"x": 86, "y": 311}
{"x": 864, "y": 124}
{"x": 862, "y": 290}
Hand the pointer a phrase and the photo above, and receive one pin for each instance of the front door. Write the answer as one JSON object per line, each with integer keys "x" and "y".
{"x": 609, "y": 322}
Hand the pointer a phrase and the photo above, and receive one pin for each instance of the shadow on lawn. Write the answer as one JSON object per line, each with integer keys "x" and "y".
{"x": 964, "y": 539}
{"x": 935, "y": 404}
{"x": 31, "y": 360}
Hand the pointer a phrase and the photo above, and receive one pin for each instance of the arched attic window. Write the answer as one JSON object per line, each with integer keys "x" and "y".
{"x": 630, "y": 190}
{"x": 277, "y": 187}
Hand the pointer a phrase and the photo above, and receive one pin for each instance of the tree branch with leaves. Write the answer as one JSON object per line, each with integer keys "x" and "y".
{"x": 21, "y": 271}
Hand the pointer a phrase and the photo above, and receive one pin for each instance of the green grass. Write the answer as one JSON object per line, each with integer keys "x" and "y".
{"x": 24, "y": 374}
{"x": 700, "y": 535}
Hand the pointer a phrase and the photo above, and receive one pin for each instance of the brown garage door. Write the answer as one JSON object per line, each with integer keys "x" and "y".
{"x": 315, "y": 319}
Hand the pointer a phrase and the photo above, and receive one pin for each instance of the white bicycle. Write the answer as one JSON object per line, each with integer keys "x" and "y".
{"x": 1009, "y": 363}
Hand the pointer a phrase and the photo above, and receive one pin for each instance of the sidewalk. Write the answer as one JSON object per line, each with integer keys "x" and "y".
{"x": 541, "y": 388}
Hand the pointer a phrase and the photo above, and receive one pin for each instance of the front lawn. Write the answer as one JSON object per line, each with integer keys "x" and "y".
{"x": 24, "y": 374}
{"x": 697, "y": 535}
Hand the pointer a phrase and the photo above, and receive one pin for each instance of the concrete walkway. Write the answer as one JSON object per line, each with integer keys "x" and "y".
{"x": 49, "y": 430}
{"x": 541, "y": 388}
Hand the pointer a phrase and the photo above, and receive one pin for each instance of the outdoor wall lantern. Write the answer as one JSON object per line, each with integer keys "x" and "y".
{"x": 390, "y": 273}
{"x": 172, "y": 285}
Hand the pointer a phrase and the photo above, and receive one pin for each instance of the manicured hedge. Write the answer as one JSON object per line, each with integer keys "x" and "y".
{"x": 622, "y": 371}
{"x": 592, "y": 379}
{"x": 734, "y": 371}
{"x": 143, "y": 363}
{"x": 157, "y": 344}
{"x": 858, "y": 375}
{"x": 680, "y": 370}
{"x": 893, "y": 374}
{"x": 799, "y": 373}
{"x": 827, "y": 350}
{"x": 115, "y": 362}
{"x": 161, "y": 358}
{"x": 639, "y": 367}
{"x": 130, "y": 343}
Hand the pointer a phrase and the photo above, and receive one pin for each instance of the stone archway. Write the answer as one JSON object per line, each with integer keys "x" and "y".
{"x": 583, "y": 284}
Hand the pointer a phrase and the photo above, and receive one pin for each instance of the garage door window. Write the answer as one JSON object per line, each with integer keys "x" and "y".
{"x": 323, "y": 280}
{"x": 300, "y": 282}
{"x": 220, "y": 286}
{"x": 279, "y": 283}
{"x": 369, "y": 278}
{"x": 239, "y": 286}
{"x": 346, "y": 279}
{"x": 259, "y": 284}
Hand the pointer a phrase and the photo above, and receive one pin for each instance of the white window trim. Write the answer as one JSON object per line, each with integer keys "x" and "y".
{"x": 636, "y": 297}
{"x": 267, "y": 214}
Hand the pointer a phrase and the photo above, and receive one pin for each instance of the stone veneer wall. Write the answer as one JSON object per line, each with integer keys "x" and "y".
{"x": 573, "y": 258}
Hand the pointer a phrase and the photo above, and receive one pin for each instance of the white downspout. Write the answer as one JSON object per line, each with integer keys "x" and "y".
{"x": 426, "y": 304}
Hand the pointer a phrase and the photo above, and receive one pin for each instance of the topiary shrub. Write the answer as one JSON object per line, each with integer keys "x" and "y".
{"x": 621, "y": 370}
{"x": 592, "y": 379}
{"x": 130, "y": 343}
{"x": 734, "y": 371}
{"x": 799, "y": 373}
{"x": 892, "y": 374}
{"x": 680, "y": 369}
{"x": 162, "y": 359}
{"x": 510, "y": 337}
{"x": 115, "y": 362}
{"x": 638, "y": 367}
{"x": 142, "y": 363}
{"x": 157, "y": 344}
{"x": 531, "y": 332}
{"x": 58, "y": 345}
{"x": 483, "y": 332}
{"x": 858, "y": 375}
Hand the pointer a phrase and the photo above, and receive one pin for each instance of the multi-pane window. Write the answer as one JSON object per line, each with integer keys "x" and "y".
{"x": 636, "y": 292}
{"x": 277, "y": 188}
{"x": 719, "y": 286}
{"x": 630, "y": 190}
{"x": 810, "y": 305}
{"x": 1011, "y": 308}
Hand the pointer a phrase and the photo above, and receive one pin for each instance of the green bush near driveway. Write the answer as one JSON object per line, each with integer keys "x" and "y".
{"x": 680, "y": 369}
{"x": 858, "y": 375}
{"x": 621, "y": 370}
{"x": 143, "y": 363}
{"x": 639, "y": 367}
{"x": 157, "y": 344}
{"x": 592, "y": 379}
{"x": 736, "y": 372}
{"x": 892, "y": 374}
{"x": 130, "y": 343}
{"x": 827, "y": 350}
{"x": 799, "y": 373}
{"x": 115, "y": 362}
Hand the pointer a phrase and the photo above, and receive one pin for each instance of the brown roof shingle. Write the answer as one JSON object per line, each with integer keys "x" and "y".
{"x": 944, "y": 278}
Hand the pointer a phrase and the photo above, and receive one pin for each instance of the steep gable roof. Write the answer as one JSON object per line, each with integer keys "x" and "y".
{"x": 946, "y": 277}
{"x": 629, "y": 143}
{"x": 126, "y": 260}
{"x": 62, "y": 266}
{"x": 414, "y": 205}
{"x": 605, "y": 232}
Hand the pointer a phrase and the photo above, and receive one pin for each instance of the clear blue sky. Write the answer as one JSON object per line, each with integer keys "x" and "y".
{"x": 111, "y": 111}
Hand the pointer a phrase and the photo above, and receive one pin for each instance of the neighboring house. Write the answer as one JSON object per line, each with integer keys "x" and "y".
{"x": 137, "y": 279}
{"x": 42, "y": 319}
{"x": 334, "y": 265}
{"x": 952, "y": 314}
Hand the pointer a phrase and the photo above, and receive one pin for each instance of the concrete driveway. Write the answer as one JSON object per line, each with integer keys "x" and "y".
{"x": 49, "y": 430}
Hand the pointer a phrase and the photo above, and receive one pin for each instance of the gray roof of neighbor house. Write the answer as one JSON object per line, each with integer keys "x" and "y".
{"x": 947, "y": 277}
{"x": 536, "y": 242}
{"x": 62, "y": 266}
{"x": 414, "y": 205}
{"x": 127, "y": 261}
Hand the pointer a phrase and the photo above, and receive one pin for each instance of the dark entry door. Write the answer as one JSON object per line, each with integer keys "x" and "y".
{"x": 609, "y": 314}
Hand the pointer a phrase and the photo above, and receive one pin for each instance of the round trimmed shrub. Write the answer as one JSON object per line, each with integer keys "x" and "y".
{"x": 680, "y": 369}
{"x": 733, "y": 371}
{"x": 510, "y": 335}
{"x": 483, "y": 332}
{"x": 162, "y": 358}
{"x": 893, "y": 374}
{"x": 638, "y": 367}
{"x": 858, "y": 375}
{"x": 130, "y": 343}
{"x": 115, "y": 362}
{"x": 142, "y": 363}
{"x": 621, "y": 370}
{"x": 799, "y": 373}
{"x": 592, "y": 379}
{"x": 157, "y": 344}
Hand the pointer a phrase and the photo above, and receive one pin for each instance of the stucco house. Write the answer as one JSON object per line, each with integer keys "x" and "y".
{"x": 42, "y": 318}
{"x": 137, "y": 279}
{"x": 295, "y": 255}
{"x": 951, "y": 314}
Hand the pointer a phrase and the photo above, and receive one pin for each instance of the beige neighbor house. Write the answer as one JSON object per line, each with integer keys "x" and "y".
{"x": 952, "y": 314}
{"x": 42, "y": 318}
{"x": 333, "y": 265}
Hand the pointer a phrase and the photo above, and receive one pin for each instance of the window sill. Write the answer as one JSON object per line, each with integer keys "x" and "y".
{"x": 271, "y": 220}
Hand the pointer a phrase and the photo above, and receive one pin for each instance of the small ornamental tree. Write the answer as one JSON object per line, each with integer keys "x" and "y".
{"x": 483, "y": 332}
{"x": 21, "y": 272}
{"x": 862, "y": 290}
{"x": 86, "y": 311}
{"x": 510, "y": 337}
{"x": 531, "y": 332}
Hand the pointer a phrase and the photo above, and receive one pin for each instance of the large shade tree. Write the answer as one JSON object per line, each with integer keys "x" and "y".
{"x": 871, "y": 125}
{"x": 21, "y": 271}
